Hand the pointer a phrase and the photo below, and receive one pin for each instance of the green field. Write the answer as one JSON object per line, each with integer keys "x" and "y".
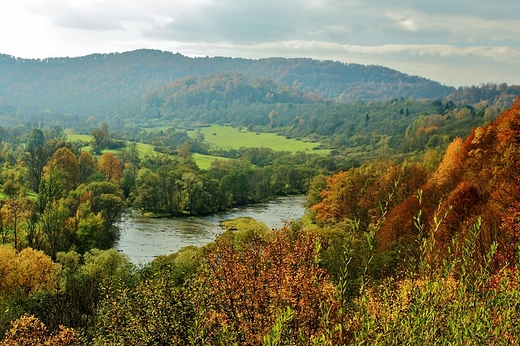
{"x": 225, "y": 137}
{"x": 231, "y": 137}
{"x": 203, "y": 161}
{"x": 141, "y": 147}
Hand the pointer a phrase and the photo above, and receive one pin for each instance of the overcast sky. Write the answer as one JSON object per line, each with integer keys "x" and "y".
{"x": 457, "y": 43}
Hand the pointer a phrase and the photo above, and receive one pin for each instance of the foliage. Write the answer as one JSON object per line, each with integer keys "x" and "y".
{"x": 28, "y": 331}
{"x": 242, "y": 288}
{"x": 157, "y": 310}
{"x": 26, "y": 272}
{"x": 408, "y": 249}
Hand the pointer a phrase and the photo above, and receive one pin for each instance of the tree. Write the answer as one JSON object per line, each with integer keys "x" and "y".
{"x": 245, "y": 285}
{"x": 107, "y": 199}
{"x": 26, "y": 272}
{"x": 30, "y": 331}
{"x": 36, "y": 158}
{"x": 110, "y": 166}
{"x": 56, "y": 228}
{"x": 100, "y": 139}
{"x": 194, "y": 196}
{"x": 13, "y": 213}
{"x": 65, "y": 160}
{"x": 184, "y": 150}
{"x": 87, "y": 166}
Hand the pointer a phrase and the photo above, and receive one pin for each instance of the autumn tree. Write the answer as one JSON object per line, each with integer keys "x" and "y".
{"x": 65, "y": 160}
{"x": 342, "y": 198}
{"x": 110, "y": 166}
{"x": 26, "y": 272}
{"x": 30, "y": 331}
{"x": 245, "y": 286}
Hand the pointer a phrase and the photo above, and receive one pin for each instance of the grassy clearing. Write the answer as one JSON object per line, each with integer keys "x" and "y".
{"x": 75, "y": 137}
{"x": 225, "y": 137}
{"x": 203, "y": 161}
{"x": 141, "y": 147}
{"x": 231, "y": 137}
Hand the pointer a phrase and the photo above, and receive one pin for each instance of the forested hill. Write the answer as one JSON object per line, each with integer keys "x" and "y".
{"x": 110, "y": 83}
{"x": 224, "y": 89}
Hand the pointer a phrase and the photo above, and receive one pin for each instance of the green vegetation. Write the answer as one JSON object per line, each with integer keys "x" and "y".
{"x": 227, "y": 137}
{"x": 142, "y": 148}
{"x": 390, "y": 253}
{"x": 411, "y": 237}
{"x": 205, "y": 161}
{"x": 100, "y": 83}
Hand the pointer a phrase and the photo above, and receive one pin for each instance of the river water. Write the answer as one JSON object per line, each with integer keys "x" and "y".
{"x": 142, "y": 238}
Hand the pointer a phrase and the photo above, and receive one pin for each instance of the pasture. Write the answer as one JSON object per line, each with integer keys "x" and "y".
{"x": 224, "y": 137}
{"x": 232, "y": 137}
{"x": 202, "y": 161}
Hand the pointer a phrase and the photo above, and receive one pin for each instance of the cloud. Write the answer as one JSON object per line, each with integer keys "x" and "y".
{"x": 436, "y": 36}
{"x": 112, "y": 15}
{"x": 231, "y": 21}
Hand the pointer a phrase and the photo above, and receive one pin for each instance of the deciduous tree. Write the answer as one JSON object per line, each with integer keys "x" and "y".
{"x": 110, "y": 166}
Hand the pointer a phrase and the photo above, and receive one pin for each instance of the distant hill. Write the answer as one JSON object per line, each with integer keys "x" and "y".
{"x": 116, "y": 83}
{"x": 218, "y": 93}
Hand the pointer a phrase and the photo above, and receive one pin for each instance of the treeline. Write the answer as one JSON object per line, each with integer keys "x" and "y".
{"x": 221, "y": 90}
{"x": 56, "y": 199}
{"x": 387, "y": 127}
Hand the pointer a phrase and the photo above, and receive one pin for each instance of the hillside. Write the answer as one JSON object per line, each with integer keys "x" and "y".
{"x": 477, "y": 178}
{"x": 114, "y": 83}
{"x": 218, "y": 92}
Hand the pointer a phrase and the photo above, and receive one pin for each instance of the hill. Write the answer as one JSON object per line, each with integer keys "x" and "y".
{"x": 114, "y": 83}
{"x": 476, "y": 183}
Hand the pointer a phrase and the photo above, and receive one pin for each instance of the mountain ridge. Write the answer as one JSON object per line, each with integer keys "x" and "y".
{"x": 113, "y": 82}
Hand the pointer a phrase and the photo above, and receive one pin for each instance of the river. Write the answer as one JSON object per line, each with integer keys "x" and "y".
{"x": 143, "y": 238}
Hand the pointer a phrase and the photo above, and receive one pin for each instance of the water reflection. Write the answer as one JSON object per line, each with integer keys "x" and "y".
{"x": 143, "y": 239}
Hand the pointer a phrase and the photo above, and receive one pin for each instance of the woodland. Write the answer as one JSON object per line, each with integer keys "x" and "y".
{"x": 411, "y": 234}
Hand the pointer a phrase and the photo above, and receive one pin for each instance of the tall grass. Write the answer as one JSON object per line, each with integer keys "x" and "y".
{"x": 458, "y": 300}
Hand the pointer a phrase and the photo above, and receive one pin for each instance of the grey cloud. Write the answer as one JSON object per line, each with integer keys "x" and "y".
{"x": 371, "y": 22}
{"x": 231, "y": 21}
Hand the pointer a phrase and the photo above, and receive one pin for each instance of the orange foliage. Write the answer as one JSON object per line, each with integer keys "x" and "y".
{"x": 110, "y": 166}
{"x": 248, "y": 285}
{"x": 466, "y": 203}
{"x": 477, "y": 177}
{"x": 399, "y": 223}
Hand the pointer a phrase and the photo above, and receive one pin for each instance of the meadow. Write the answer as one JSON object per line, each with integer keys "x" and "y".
{"x": 202, "y": 161}
{"x": 235, "y": 137}
{"x": 224, "y": 137}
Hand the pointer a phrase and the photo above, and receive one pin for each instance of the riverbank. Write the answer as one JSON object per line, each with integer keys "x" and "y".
{"x": 142, "y": 238}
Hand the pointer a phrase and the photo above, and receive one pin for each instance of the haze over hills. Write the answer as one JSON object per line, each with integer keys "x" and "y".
{"x": 116, "y": 83}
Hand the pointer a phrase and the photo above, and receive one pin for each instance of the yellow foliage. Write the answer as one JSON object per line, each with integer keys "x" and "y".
{"x": 27, "y": 271}
{"x": 29, "y": 331}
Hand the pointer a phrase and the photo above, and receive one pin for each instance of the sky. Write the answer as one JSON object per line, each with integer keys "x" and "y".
{"x": 457, "y": 43}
